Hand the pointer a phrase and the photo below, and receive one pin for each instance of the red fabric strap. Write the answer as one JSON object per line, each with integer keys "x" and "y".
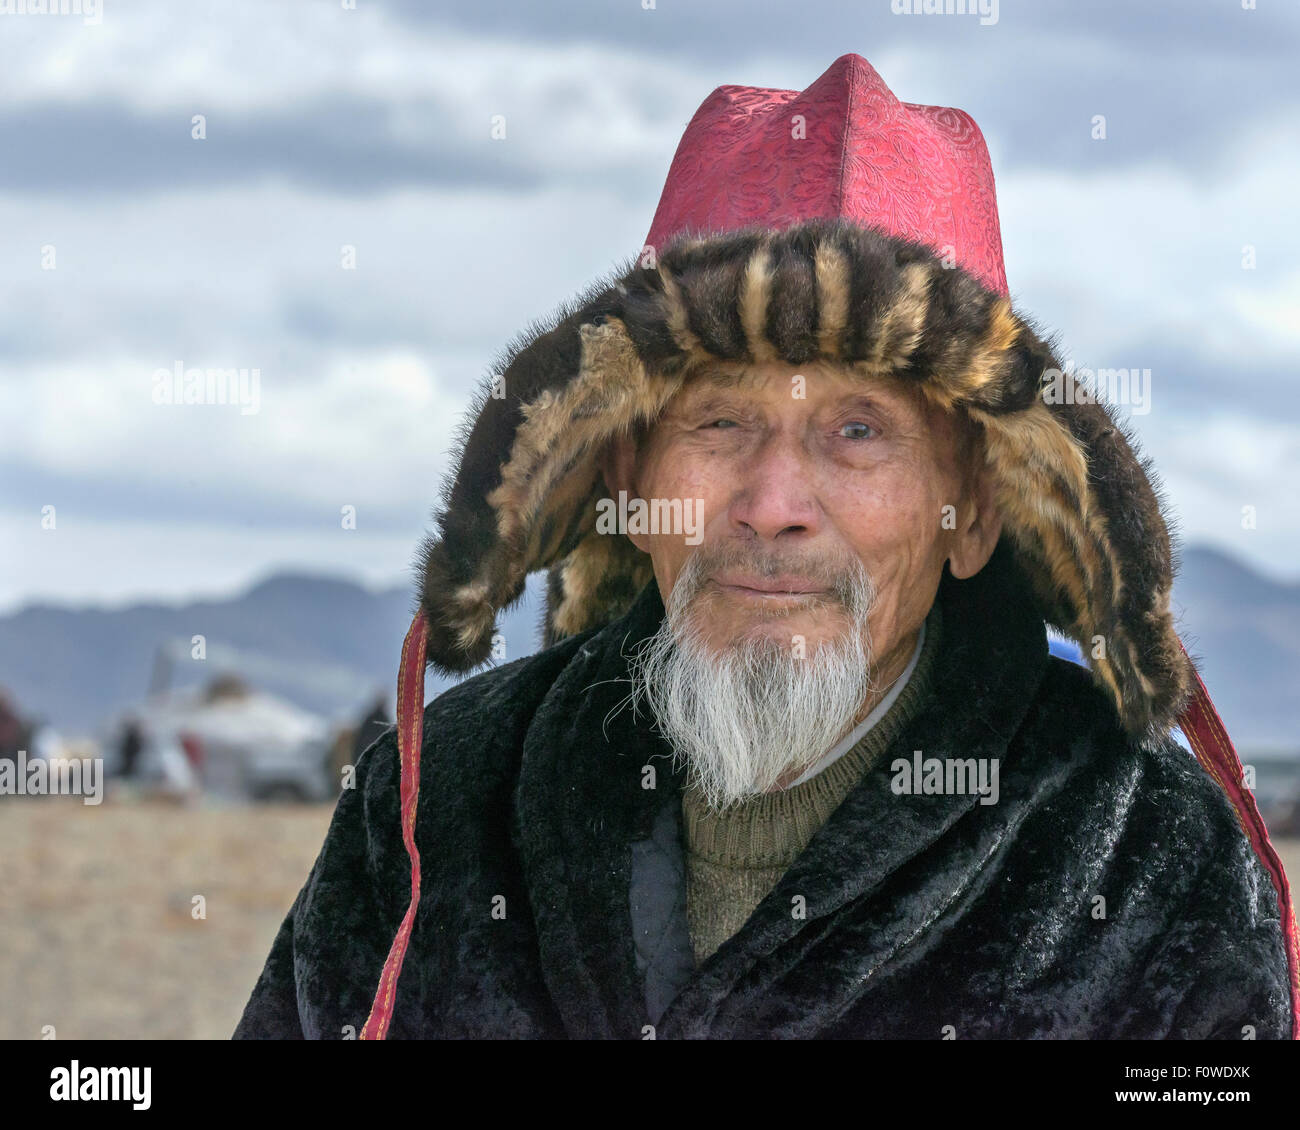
{"x": 410, "y": 735}
{"x": 1204, "y": 730}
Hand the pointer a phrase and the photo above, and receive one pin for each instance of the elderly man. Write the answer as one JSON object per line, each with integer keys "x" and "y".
{"x": 805, "y": 768}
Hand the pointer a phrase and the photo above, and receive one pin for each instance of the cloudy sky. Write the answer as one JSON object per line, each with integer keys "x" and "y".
{"x": 128, "y": 245}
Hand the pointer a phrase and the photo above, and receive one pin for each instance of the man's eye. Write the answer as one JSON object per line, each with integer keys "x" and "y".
{"x": 858, "y": 429}
{"x": 722, "y": 422}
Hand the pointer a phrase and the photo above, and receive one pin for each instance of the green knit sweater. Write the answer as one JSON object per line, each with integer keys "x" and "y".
{"x": 736, "y": 855}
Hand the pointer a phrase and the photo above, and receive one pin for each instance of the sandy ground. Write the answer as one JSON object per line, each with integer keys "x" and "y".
{"x": 97, "y": 934}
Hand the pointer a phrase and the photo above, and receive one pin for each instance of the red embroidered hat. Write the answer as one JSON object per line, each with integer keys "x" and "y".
{"x": 843, "y": 148}
{"x": 835, "y": 223}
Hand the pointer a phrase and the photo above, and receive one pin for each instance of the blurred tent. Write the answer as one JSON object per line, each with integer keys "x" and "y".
{"x": 227, "y": 739}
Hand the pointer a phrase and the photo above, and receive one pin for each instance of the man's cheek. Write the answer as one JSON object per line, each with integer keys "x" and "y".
{"x": 698, "y": 504}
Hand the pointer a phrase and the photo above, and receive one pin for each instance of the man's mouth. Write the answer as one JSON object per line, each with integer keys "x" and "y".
{"x": 787, "y": 587}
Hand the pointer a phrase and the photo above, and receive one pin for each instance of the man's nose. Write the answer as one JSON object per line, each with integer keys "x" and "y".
{"x": 776, "y": 497}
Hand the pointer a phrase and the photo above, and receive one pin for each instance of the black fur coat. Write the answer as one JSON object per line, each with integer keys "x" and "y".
{"x": 552, "y": 877}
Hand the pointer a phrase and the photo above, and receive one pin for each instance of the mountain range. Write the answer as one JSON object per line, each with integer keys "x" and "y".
{"x": 331, "y": 646}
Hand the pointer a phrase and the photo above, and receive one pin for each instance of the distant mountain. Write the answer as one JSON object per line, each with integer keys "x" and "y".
{"x": 330, "y": 645}
{"x": 326, "y": 644}
{"x": 1243, "y": 629}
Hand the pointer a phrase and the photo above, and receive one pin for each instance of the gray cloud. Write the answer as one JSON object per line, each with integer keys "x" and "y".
{"x": 343, "y": 145}
{"x": 725, "y": 29}
{"x": 1175, "y": 85}
{"x": 197, "y": 494}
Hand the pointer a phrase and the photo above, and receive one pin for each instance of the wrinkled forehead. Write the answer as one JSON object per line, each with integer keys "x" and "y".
{"x": 750, "y": 375}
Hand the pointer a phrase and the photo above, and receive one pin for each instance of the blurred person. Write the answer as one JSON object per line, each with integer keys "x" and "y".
{"x": 180, "y": 763}
{"x": 350, "y": 742}
{"x": 15, "y": 731}
{"x": 796, "y": 760}
{"x": 375, "y": 721}
{"x": 130, "y": 748}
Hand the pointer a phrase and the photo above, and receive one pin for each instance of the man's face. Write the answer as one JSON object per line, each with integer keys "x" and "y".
{"x": 829, "y": 506}
{"x": 843, "y": 469}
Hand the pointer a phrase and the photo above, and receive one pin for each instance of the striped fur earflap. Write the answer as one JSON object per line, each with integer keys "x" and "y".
{"x": 1077, "y": 502}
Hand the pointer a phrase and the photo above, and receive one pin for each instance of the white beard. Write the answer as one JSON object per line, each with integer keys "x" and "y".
{"x": 743, "y": 719}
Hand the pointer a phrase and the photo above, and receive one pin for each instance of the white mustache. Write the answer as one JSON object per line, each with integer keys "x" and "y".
{"x": 846, "y": 582}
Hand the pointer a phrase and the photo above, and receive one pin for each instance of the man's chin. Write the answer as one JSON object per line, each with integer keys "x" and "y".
{"x": 792, "y": 633}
